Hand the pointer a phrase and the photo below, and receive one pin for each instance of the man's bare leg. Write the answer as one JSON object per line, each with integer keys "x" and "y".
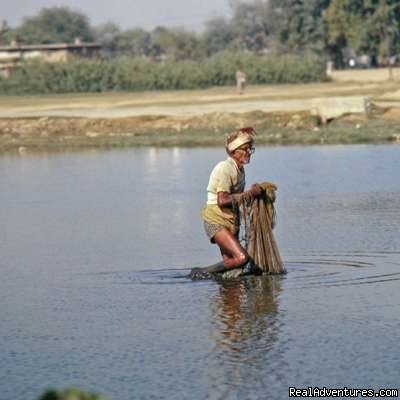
{"x": 233, "y": 254}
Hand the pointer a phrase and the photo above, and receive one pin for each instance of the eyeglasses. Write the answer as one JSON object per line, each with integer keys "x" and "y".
{"x": 248, "y": 150}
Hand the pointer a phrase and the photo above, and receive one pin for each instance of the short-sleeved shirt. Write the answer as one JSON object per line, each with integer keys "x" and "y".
{"x": 225, "y": 177}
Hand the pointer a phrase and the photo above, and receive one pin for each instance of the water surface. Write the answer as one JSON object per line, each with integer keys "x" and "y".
{"x": 95, "y": 248}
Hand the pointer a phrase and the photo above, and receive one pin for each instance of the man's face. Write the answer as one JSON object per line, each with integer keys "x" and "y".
{"x": 243, "y": 153}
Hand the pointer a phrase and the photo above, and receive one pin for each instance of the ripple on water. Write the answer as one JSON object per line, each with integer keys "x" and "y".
{"x": 322, "y": 268}
{"x": 357, "y": 268}
{"x": 148, "y": 277}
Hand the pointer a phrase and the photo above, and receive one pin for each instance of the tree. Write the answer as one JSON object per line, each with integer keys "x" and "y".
{"x": 178, "y": 44}
{"x": 301, "y": 24}
{"x": 55, "y": 25}
{"x": 218, "y": 35}
{"x": 346, "y": 21}
{"x": 134, "y": 42}
{"x": 251, "y": 24}
{"x": 6, "y": 33}
{"x": 107, "y": 36}
{"x": 383, "y": 31}
{"x": 365, "y": 26}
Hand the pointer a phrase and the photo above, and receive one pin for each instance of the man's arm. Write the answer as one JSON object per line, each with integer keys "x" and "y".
{"x": 225, "y": 199}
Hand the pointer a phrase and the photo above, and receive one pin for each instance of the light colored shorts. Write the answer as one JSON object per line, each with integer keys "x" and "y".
{"x": 212, "y": 229}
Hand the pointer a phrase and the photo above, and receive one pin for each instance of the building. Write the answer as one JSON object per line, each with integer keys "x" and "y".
{"x": 14, "y": 54}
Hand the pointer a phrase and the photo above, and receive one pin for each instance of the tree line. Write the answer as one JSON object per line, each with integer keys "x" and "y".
{"x": 332, "y": 29}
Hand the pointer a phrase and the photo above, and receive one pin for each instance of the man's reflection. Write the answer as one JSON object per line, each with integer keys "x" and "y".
{"x": 245, "y": 327}
{"x": 245, "y": 310}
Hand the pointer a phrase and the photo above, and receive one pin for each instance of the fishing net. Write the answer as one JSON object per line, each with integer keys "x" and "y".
{"x": 257, "y": 220}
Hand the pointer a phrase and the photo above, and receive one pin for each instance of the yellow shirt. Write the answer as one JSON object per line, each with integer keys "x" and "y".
{"x": 225, "y": 177}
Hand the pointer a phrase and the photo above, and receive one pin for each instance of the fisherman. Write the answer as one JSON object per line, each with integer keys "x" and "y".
{"x": 224, "y": 192}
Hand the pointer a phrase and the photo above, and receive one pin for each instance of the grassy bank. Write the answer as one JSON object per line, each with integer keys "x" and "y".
{"x": 281, "y": 128}
{"x": 199, "y": 117}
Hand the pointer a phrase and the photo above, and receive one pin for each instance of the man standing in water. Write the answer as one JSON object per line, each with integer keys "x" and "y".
{"x": 224, "y": 191}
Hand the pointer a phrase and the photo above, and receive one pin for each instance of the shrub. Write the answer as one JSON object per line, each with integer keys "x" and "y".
{"x": 70, "y": 394}
{"x": 138, "y": 74}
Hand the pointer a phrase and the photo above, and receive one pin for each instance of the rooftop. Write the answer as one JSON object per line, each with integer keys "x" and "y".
{"x": 53, "y": 46}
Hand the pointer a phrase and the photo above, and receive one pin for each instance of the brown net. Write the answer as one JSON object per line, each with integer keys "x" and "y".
{"x": 258, "y": 218}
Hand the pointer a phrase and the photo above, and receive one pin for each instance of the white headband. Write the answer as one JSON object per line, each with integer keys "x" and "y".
{"x": 242, "y": 139}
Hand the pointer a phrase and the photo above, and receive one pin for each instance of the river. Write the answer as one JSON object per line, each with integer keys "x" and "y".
{"x": 96, "y": 247}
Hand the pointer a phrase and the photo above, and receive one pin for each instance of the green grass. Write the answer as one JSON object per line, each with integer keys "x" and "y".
{"x": 338, "y": 132}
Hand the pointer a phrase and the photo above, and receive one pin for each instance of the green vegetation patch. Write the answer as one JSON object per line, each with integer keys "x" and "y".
{"x": 139, "y": 74}
{"x": 71, "y": 394}
{"x": 280, "y": 128}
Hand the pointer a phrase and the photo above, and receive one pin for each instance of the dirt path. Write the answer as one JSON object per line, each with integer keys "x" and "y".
{"x": 188, "y": 103}
{"x": 172, "y": 110}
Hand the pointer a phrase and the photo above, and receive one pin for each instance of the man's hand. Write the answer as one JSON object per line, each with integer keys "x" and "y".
{"x": 255, "y": 190}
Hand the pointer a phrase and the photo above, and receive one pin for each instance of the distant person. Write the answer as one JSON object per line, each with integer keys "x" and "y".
{"x": 329, "y": 68}
{"x": 240, "y": 81}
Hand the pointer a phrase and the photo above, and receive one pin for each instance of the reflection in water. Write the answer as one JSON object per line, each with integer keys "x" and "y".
{"x": 176, "y": 156}
{"x": 245, "y": 318}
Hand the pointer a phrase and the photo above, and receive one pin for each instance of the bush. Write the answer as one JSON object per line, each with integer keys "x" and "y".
{"x": 138, "y": 74}
{"x": 70, "y": 394}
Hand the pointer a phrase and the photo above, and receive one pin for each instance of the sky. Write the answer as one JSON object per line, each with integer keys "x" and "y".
{"x": 147, "y": 14}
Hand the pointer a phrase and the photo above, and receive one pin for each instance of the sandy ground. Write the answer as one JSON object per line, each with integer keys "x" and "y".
{"x": 113, "y": 112}
{"x": 366, "y": 75}
{"x": 371, "y": 84}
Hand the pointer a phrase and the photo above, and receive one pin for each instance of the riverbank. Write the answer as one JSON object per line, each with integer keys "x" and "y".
{"x": 282, "y": 114}
{"x": 279, "y": 128}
